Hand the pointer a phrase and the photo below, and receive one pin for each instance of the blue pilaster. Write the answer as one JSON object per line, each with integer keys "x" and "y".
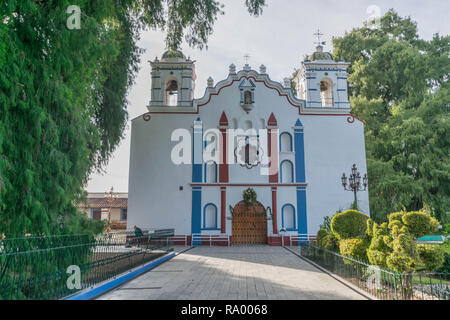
{"x": 197, "y": 155}
{"x": 299, "y": 153}
{"x": 197, "y": 152}
{"x": 196, "y": 210}
{"x": 301, "y": 211}
{"x": 300, "y": 177}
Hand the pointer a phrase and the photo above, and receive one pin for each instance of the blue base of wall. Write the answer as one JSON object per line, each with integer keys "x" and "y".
{"x": 105, "y": 287}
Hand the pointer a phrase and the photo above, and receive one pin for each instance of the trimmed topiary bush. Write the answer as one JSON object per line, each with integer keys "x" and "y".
{"x": 395, "y": 224}
{"x": 431, "y": 256}
{"x": 400, "y": 262}
{"x": 349, "y": 224}
{"x": 420, "y": 223}
{"x": 404, "y": 256}
{"x": 379, "y": 248}
{"x": 369, "y": 227}
{"x": 330, "y": 242}
{"x": 396, "y": 216}
{"x": 354, "y": 248}
{"x": 327, "y": 240}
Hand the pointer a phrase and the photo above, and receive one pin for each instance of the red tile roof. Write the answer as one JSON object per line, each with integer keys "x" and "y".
{"x": 120, "y": 203}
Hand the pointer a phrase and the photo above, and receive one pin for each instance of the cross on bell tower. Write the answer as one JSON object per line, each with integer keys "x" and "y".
{"x": 318, "y": 34}
{"x": 246, "y": 57}
{"x": 247, "y": 66}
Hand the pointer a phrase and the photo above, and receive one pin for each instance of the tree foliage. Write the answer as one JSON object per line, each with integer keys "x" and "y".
{"x": 399, "y": 87}
{"x": 63, "y": 96}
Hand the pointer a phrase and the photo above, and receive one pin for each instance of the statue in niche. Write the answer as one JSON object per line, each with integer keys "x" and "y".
{"x": 248, "y": 101}
{"x": 247, "y": 97}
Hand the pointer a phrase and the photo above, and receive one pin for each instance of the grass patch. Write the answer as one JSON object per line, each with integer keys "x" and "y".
{"x": 429, "y": 280}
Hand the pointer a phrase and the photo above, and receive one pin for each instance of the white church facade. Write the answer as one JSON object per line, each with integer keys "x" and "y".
{"x": 192, "y": 159}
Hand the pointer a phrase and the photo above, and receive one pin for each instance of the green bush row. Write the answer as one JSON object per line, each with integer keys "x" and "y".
{"x": 390, "y": 245}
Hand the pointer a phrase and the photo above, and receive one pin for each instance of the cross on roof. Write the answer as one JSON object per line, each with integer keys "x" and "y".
{"x": 318, "y": 34}
{"x": 246, "y": 57}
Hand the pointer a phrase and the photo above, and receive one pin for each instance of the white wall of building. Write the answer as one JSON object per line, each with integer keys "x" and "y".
{"x": 333, "y": 143}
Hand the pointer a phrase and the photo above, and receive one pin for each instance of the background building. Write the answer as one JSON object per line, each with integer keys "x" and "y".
{"x": 97, "y": 207}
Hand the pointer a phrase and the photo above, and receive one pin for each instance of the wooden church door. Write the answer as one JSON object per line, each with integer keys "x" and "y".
{"x": 249, "y": 224}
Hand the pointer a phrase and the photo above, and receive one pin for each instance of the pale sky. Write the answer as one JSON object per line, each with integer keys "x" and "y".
{"x": 278, "y": 39}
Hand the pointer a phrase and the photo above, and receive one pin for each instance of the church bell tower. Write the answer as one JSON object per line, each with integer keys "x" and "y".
{"x": 321, "y": 81}
{"x": 173, "y": 80}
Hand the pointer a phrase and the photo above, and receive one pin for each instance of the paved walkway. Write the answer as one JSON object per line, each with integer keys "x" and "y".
{"x": 234, "y": 273}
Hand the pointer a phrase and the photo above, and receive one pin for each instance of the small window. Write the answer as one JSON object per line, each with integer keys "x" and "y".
{"x": 172, "y": 93}
{"x": 123, "y": 214}
{"x": 96, "y": 214}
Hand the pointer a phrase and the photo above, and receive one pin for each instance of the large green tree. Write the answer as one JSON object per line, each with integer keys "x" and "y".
{"x": 63, "y": 96}
{"x": 399, "y": 87}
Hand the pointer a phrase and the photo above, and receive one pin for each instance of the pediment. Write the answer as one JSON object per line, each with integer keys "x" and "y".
{"x": 247, "y": 83}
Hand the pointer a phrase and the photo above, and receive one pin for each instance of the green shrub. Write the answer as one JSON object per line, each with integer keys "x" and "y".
{"x": 395, "y": 224}
{"x": 404, "y": 256}
{"x": 377, "y": 258}
{"x": 406, "y": 244}
{"x": 322, "y": 233}
{"x": 369, "y": 227}
{"x": 446, "y": 229}
{"x": 432, "y": 256}
{"x": 349, "y": 224}
{"x": 396, "y": 216}
{"x": 445, "y": 268}
{"x": 330, "y": 242}
{"x": 400, "y": 262}
{"x": 420, "y": 223}
{"x": 379, "y": 248}
{"x": 354, "y": 248}
{"x": 326, "y": 224}
{"x": 249, "y": 196}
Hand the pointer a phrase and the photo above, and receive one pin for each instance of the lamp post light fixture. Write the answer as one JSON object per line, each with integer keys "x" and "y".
{"x": 111, "y": 196}
{"x": 354, "y": 181}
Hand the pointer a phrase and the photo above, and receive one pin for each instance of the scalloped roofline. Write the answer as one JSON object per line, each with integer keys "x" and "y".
{"x": 289, "y": 93}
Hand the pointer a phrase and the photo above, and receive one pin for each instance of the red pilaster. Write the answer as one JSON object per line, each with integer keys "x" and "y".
{"x": 272, "y": 132}
{"x": 223, "y": 165}
{"x": 223, "y": 209}
{"x": 274, "y": 210}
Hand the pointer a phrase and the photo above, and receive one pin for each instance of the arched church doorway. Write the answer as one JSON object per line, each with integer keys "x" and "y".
{"x": 249, "y": 225}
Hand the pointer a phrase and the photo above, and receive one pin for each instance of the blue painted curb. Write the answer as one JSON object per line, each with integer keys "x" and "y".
{"x": 97, "y": 291}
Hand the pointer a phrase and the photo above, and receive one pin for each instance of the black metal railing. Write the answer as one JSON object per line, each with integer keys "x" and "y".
{"x": 378, "y": 282}
{"x": 41, "y": 267}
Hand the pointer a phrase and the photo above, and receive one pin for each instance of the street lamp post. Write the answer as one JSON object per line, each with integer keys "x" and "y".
{"x": 354, "y": 182}
{"x": 111, "y": 196}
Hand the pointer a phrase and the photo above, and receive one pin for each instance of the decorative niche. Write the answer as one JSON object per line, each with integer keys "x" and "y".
{"x": 247, "y": 89}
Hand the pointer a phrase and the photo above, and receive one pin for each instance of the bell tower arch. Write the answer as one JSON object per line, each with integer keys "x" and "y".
{"x": 173, "y": 80}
